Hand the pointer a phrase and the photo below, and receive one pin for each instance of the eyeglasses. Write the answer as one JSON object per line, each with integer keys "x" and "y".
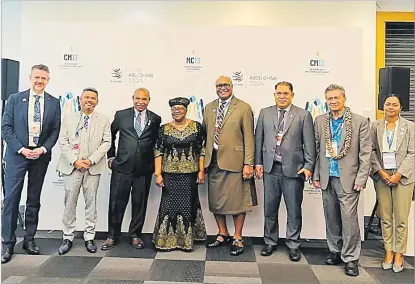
{"x": 178, "y": 109}
{"x": 225, "y": 86}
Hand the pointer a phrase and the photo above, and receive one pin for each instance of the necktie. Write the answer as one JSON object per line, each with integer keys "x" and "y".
{"x": 219, "y": 121}
{"x": 86, "y": 121}
{"x": 281, "y": 122}
{"x": 37, "y": 116}
{"x": 137, "y": 125}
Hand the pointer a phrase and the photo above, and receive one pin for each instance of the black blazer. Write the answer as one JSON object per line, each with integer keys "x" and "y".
{"x": 134, "y": 153}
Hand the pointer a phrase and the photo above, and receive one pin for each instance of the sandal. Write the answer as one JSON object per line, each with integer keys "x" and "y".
{"x": 236, "y": 248}
{"x": 218, "y": 243}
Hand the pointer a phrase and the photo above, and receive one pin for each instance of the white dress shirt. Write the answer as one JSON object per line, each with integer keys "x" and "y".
{"x": 393, "y": 134}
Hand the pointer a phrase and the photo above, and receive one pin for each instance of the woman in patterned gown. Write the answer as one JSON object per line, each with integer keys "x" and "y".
{"x": 179, "y": 157}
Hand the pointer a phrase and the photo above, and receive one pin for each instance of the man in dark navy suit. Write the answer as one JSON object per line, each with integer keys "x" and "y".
{"x": 30, "y": 127}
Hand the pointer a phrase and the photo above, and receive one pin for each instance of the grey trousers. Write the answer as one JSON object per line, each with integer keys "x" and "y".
{"x": 342, "y": 223}
{"x": 73, "y": 184}
{"x": 275, "y": 186}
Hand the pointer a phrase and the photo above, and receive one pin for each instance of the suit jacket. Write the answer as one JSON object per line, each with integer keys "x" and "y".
{"x": 236, "y": 138}
{"x": 354, "y": 167}
{"x": 298, "y": 149}
{"x": 99, "y": 142}
{"x": 15, "y": 128}
{"x": 405, "y": 149}
{"x": 134, "y": 153}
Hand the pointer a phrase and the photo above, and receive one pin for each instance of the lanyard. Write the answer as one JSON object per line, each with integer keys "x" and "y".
{"x": 390, "y": 136}
{"x": 337, "y": 130}
{"x": 77, "y": 126}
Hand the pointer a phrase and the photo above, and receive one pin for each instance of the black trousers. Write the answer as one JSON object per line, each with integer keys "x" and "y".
{"x": 13, "y": 186}
{"x": 122, "y": 185}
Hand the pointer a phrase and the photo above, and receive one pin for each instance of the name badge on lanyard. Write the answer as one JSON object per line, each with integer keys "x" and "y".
{"x": 334, "y": 144}
{"x": 278, "y": 138}
{"x": 389, "y": 158}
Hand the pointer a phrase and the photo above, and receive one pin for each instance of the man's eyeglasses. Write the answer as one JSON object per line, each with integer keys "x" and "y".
{"x": 225, "y": 86}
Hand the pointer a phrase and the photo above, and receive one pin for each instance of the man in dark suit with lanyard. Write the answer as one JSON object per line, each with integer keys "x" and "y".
{"x": 30, "y": 127}
{"x": 132, "y": 167}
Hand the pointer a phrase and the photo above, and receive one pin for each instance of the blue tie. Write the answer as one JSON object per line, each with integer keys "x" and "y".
{"x": 37, "y": 116}
{"x": 137, "y": 124}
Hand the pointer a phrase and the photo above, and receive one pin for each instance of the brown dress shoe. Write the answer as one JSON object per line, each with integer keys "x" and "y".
{"x": 108, "y": 244}
{"x": 137, "y": 243}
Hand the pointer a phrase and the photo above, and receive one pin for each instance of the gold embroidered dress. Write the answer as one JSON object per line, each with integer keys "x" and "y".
{"x": 180, "y": 221}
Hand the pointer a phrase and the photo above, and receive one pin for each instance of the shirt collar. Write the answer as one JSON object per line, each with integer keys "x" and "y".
{"x": 136, "y": 112}
{"x": 32, "y": 93}
{"x": 396, "y": 122}
{"x": 90, "y": 115}
{"x": 228, "y": 100}
{"x": 287, "y": 109}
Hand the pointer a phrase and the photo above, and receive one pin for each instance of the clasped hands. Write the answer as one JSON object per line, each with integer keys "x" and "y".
{"x": 32, "y": 154}
{"x": 390, "y": 180}
{"x": 82, "y": 165}
{"x": 259, "y": 172}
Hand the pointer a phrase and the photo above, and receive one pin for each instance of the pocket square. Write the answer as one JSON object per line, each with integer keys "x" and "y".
{"x": 24, "y": 99}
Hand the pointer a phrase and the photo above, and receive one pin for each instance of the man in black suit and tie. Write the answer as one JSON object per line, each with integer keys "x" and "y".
{"x": 132, "y": 167}
{"x": 30, "y": 127}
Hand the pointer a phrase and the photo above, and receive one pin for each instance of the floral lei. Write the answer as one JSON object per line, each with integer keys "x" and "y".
{"x": 348, "y": 140}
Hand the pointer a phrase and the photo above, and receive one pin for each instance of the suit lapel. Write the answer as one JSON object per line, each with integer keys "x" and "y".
{"x": 25, "y": 106}
{"x": 401, "y": 132}
{"x": 148, "y": 120}
{"x": 212, "y": 117}
{"x": 231, "y": 108}
{"x": 46, "y": 108}
{"x": 275, "y": 117}
{"x": 380, "y": 130}
{"x": 290, "y": 118}
{"x": 94, "y": 122}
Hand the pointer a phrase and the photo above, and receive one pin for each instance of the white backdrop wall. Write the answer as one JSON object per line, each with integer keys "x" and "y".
{"x": 119, "y": 36}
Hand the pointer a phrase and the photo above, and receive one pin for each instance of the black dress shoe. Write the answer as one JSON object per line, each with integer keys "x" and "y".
{"x": 333, "y": 258}
{"x": 218, "y": 243}
{"x": 31, "y": 248}
{"x": 108, "y": 244}
{"x": 294, "y": 254}
{"x": 7, "y": 255}
{"x": 268, "y": 249}
{"x": 137, "y": 243}
{"x": 90, "y": 246}
{"x": 65, "y": 247}
{"x": 351, "y": 268}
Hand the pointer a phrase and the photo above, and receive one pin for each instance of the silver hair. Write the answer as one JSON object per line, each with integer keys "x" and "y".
{"x": 333, "y": 87}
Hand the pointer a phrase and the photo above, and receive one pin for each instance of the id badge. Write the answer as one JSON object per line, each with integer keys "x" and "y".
{"x": 278, "y": 138}
{"x": 389, "y": 160}
{"x": 334, "y": 146}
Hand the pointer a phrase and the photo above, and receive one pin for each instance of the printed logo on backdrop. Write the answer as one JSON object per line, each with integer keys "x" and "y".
{"x": 316, "y": 107}
{"x": 259, "y": 80}
{"x": 238, "y": 78}
{"x": 69, "y": 103}
{"x": 317, "y": 65}
{"x": 195, "y": 109}
{"x": 192, "y": 62}
{"x": 70, "y": 59}
{"x": 130, "y": 75}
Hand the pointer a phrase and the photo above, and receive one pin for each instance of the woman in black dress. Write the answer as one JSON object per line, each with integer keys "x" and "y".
{"x": 179, "y": 158}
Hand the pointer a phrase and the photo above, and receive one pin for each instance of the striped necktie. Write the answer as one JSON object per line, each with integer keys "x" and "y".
{"x": 137, "y": 124}
{"x": 37, "y": 117}
{"x": 219, "y": 121}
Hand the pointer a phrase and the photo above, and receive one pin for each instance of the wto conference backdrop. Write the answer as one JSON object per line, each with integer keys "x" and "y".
{"x": 175, "y": 61}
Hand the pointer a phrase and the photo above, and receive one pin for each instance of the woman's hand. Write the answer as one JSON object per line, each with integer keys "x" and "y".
{"x": 394, "y": 179}
{"x": 159, "y": 181}
{"x": 384, "y": 176}
{"x": 201, "y": 177}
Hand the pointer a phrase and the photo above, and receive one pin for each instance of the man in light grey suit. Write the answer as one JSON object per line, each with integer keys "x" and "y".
{"x": 285, "y": 157}
{"x": 85, "y": 139}
{"x": 343, "y": 146}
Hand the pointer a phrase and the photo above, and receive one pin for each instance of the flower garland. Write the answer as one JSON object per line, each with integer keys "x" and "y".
{"x": 348, "y": 139}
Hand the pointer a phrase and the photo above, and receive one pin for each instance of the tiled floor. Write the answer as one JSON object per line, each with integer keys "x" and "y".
{"x": 125, "y": 265}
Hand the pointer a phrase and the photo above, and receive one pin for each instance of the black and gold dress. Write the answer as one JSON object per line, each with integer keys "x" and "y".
{"x": 180, "y": 221}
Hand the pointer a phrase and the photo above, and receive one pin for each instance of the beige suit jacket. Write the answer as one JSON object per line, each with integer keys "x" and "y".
{"x": 236, "y": 138}
{"x": 354, "y": 167}
{"x": 98, "y": 144}
{"x": 405, "y": 149}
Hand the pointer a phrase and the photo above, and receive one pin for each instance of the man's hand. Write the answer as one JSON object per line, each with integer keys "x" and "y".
{"x": 248, "y": 172}
{"x": 358, "y": 187}
{"x": 306, "y": 173}
{"x": 28, "y": 154}
{"x": 110, "y": 162}
{"x": 259, "y": 172}
{"x": 394, "y": 179}
{"x": 82, "y": 164}
{"x": 37, "y": 152}
{"x": 316, "y": 184}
